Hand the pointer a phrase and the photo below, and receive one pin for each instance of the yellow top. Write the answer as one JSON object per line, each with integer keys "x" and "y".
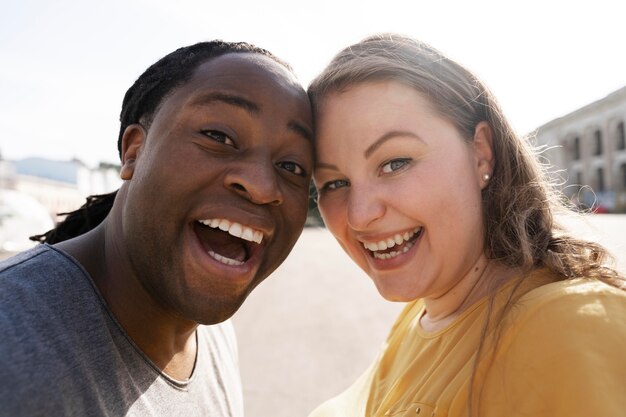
{"x": 562, "y": 352}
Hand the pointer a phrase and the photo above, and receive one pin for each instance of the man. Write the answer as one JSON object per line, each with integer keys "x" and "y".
{"x": 122, "y": 318}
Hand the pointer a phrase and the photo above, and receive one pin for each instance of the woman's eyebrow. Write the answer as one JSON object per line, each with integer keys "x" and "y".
{"x": 387, "y": 136}
{"x": 324, "y": 165}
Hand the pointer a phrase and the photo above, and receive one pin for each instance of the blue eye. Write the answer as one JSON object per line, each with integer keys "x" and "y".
{"x": 218, "y": 136}
{"x": 292, "y": 167}
{"x": 334, "y": 185}
{"x": 395, "y": 165}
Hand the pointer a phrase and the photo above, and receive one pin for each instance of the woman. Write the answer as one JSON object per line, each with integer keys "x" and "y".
{"x": 427, "y": 188}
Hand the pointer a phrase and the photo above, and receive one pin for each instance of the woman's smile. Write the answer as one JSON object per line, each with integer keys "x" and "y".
{"x": 390, "y": 189}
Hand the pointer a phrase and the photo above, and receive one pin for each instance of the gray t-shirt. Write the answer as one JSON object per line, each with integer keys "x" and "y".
{"x": 62, "y": 353}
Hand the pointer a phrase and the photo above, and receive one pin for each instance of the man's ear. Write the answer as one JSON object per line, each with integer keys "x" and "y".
{"x": 132, "y": 142}
{"x": 483, "y": 152}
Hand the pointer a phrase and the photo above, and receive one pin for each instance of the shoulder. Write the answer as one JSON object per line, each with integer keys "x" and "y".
{"x": 37, "y": 274}
{"x": 562, "y": 340}
{"x": 43, "y": 294}
{"x": 583, "y": 300}
{"x": 23, "y": 258}
{"x": 577, "y": 312}
{"x": 41, "y": 257}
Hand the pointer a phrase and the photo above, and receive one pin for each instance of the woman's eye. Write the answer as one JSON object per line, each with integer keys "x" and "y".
{"x": 220, "y": 137}
{"x": 334, "y": 185}
{"x": 292, "y": 167}
{"x": 395, "y": 165}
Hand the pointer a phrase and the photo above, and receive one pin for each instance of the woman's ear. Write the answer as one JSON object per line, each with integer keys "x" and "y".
{"x": 132, "y": 142}
{"x": 483, "y": 152}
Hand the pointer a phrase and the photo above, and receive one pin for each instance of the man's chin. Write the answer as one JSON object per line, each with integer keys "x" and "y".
{"x": 214, "y": 311}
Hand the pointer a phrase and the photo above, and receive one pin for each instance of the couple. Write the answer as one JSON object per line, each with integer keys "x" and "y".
{"x": 421, "y": 180}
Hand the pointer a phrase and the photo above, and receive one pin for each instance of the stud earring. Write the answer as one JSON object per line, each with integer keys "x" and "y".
{"x": 486, "y": 177}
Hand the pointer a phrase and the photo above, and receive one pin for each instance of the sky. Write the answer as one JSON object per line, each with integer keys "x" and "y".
{"x": 66, "y": 64}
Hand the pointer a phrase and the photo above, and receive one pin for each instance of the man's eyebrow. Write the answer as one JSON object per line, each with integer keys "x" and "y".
{"x": 387, "y": 136}
{"x": 249, "y": 106}
{"x": 227, "y": 98}
{"x": 301, "y": 130}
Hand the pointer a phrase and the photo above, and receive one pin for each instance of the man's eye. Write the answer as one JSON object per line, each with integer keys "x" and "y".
{"x": 292, "y": 167}
{"x": 395, "y": 165}
{"x": 218, "y": 136}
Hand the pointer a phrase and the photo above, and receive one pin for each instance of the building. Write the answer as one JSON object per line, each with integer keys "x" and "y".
{"x": 588, "y": 146}
{"x": 60, "y": 186}
{"x": 21, "y": 216}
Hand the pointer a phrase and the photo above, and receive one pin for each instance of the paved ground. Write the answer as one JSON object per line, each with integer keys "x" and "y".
{"x": 309, "y": 330}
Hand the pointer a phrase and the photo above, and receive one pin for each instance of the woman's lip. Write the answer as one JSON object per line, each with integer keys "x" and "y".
{"x": 396, "y": 261}
{"x": 366, "y": 240}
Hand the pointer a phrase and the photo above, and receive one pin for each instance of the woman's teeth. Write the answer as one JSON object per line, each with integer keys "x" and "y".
{"x": 397, "y": 239}
{"x": 393, "y": 254}
{"x": 234, "y": 229}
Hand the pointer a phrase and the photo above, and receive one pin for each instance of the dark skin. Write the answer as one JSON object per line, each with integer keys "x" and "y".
{"x": 232, "y": 143}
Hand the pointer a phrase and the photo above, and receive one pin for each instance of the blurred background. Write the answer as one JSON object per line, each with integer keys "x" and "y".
{"x": 558, "y": 68}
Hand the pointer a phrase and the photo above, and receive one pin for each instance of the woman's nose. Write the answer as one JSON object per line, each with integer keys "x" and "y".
{"x": 365, "y": 207}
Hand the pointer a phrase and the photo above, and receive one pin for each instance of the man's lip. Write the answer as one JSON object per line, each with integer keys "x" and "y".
{"x": 261, "y": 222}
{"x": 256, "y": 218}
{"x": 242, "y": 273}
{"x": 252, "y": 247}
{"x": 236, "y": 229}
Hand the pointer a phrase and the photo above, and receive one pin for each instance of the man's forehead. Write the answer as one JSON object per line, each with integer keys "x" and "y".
{"x": 252, "y": 77}
{"x": 249, "y": 81}
{"x": 237, "y": 66}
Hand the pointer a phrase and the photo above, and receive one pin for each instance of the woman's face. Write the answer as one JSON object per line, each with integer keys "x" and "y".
{"x": 400, "y": 188}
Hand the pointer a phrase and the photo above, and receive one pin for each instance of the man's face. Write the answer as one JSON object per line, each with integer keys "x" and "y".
{"x": 217, "y": 188}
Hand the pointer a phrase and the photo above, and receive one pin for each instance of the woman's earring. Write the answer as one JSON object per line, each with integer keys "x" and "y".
{"x": 486, "y": 177}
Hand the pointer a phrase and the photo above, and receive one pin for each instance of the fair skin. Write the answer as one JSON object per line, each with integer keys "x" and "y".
{"x": 400, "y": 189}
{"x": 232, "y": 144}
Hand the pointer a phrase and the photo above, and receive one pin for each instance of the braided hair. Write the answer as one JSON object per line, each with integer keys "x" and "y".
{"x": 140, "y": 104}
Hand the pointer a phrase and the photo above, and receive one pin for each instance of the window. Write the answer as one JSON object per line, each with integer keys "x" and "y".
{"x": 597, "y": 136}
{"x": 576, "y": 149}
{"x": 621, "y": 136}
{"x": 600, "y": 177}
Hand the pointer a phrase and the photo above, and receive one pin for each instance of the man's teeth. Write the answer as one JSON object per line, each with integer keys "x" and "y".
{"x": 397, "y": 239}
{"x": 235, "y": 229}
{"x": 224, "y": 259}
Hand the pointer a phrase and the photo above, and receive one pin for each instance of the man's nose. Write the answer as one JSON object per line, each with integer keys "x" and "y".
{"x": 255, "y": 178}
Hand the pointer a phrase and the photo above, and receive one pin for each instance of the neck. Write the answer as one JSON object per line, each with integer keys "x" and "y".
{"x": 484, "y": 277}
{"x": 167, "y": 339}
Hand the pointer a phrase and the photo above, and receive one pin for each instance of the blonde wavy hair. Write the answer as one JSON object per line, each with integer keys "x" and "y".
{"x": 520, "y": 202}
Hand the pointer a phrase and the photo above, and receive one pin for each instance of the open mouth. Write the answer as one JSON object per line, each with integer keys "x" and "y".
{"x": 228, "y": 242}
{"x": 396, "y": 245}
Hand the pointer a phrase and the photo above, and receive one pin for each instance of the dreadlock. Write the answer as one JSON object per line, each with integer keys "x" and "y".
{"x": 140, "y": 104}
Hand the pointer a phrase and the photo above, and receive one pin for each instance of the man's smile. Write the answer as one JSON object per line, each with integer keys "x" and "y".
{"x": 228, "y": 242}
